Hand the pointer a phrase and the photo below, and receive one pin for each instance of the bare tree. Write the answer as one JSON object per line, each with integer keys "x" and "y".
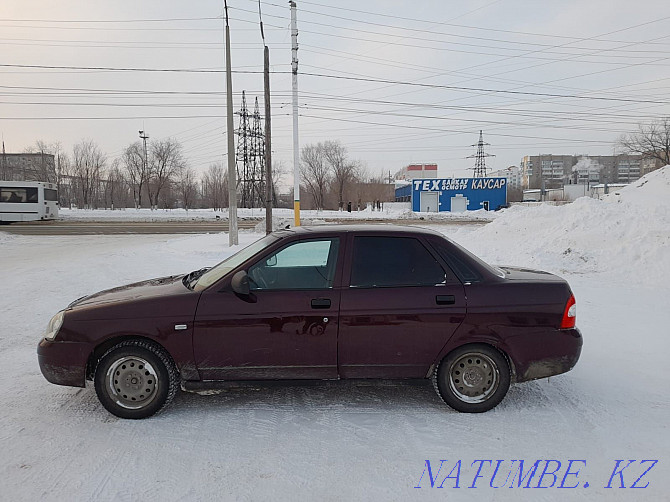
{"x": 115, "y": 188}
{"x": 64, "y": 179}
{"x": 136, "y": 170}
{"x": 279, "y": 171}
{"x": 87, "y": 167}
{"x": 343, "y": 169}
{"x": 187, "y": 187}
{"x": 62, "y": 163}
{"x": 44, "y": 170}
{"x": 165, "y": 164}
{"x": 215, "y": 187}
{"x": 168, "y": 196}
{"x": 651, "y": 141}
{"x": 315, "y": 172}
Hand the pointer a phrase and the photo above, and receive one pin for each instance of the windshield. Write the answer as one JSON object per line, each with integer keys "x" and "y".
{"x": 232, "y": 262}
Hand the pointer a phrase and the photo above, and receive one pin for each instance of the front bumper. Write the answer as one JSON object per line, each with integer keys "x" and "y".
{"x": 63, "y": 363}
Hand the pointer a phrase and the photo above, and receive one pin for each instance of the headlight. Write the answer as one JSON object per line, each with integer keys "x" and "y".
{"x": 54, "y": 325}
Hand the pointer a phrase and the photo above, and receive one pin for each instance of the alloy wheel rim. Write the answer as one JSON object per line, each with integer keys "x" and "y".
{"x": 132, "y": 382}
{"x": 474, "y": 377}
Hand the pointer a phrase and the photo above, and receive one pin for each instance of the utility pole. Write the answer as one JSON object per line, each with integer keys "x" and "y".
{"x": 4, "y": 175}
{"x": 268, "y": 130}
{"x": 268, "y": 146}
{"x": 232, "y": 178}
{"x": 144, "y": 137}
{"x": 296, "y": 144}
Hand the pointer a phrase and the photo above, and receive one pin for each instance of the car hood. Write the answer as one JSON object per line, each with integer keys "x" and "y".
{"x": 130, "y": 292}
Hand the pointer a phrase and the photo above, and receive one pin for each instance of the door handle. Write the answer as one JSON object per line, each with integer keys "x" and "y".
{"x": 321, "y": 303}
{"x": 445, "y": 299}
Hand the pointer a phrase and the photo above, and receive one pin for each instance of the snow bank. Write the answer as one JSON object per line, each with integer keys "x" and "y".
{"x": 626, "y": 234}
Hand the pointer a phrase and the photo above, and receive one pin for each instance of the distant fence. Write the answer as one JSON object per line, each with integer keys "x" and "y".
{"x": 545, "y": 203}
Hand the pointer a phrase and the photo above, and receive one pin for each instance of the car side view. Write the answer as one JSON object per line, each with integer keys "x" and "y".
{"x": 320, "y": 303}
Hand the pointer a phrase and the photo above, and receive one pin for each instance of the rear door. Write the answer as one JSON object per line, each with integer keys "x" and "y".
{"x": 398, "y": 308}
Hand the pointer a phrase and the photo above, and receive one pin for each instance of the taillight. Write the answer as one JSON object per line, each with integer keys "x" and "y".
{"x": 570, "y": 314}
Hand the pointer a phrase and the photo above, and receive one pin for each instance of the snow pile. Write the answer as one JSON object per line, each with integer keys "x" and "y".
{"x": 626, "y": 234}
{"x": 651, "y": 190}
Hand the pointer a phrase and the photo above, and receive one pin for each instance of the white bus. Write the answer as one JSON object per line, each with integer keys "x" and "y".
{"x": 28, "y": 201}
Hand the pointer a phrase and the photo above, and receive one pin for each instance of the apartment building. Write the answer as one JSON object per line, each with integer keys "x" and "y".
{"x": 550, "y": 171}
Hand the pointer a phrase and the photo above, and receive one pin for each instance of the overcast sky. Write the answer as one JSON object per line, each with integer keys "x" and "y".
{"x": 395, "y": 82}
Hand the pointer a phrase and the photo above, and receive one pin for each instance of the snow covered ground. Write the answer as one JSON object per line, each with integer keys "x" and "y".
{"x": 391, "y": 211}
{"x": 339, "y": 441}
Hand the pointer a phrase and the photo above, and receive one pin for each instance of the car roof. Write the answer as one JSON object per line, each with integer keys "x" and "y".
{"x": 381, "y": 228}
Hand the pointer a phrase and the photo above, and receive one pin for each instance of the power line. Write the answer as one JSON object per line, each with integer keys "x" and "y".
{"x": 341, "y": 77}
{"x": 476, "y": 89}
{"x": 110, "y": 68}
{"x": 454, "y": 131}
{"x": 440, "y": 33}
{"x": 476, "y": 121}
{"x": 108, "y": 21}
{"x": 433, "y": 22}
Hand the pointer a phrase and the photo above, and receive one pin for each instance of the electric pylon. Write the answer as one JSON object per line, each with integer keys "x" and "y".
{"x": 250, "y": 156}
{"x": 480, "y": 163}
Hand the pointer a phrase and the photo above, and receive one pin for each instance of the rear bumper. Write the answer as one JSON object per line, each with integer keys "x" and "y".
{"x": 63, "y": 363}
{"x": 556, "y": 354}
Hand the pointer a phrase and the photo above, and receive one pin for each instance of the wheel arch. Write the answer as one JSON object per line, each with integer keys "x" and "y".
{"x": 489, "y": 343}
{"x": 100, "y": 349}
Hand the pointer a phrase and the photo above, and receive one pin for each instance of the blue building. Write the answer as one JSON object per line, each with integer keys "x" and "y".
{"x": 403, "y": 193}
{"x": 458, "y": 194}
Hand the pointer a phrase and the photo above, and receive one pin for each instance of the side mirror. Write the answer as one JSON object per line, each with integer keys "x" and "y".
{"x": 240, "y": 283}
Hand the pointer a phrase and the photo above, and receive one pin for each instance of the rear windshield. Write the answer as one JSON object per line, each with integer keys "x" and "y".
{"x": 51, "y": 195}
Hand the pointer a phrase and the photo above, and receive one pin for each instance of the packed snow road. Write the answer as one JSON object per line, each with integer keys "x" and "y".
{"x": 334, "y": 441}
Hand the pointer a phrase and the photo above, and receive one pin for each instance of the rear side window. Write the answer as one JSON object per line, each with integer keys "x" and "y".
{"x": 464, "y": 271}
{"x": 393, "y": 261}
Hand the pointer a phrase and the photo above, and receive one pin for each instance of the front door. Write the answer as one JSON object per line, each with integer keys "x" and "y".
{"x": 286, "y": 329}
{"x": 399, "y": 310}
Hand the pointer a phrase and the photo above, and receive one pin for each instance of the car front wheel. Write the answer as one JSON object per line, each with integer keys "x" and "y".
{"x": 135, "y": 379}
{"x": 472, "y": 378}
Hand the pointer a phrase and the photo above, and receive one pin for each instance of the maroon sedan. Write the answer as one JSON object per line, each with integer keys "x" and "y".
{"x": 332, "y": 302}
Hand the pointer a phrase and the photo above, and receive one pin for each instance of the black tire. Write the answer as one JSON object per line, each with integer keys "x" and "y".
{"x": 136, "y": 379}
{"x": 472, "y": 378}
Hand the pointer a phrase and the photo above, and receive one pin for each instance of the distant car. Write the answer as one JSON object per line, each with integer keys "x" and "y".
{"x": 325, "y": 303}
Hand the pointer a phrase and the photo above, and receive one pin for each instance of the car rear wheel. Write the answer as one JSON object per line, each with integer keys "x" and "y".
{"x": 472, "y": 378}
{"x": 135, "y": 379}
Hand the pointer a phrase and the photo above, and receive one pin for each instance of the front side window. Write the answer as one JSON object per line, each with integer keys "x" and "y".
{"x": 393, "y": 262}
{"x": 232, "y": 262}
{"x": 306, "y": 264}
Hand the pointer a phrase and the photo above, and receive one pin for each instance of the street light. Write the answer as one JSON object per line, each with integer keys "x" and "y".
{"x": 144, "y": 138}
